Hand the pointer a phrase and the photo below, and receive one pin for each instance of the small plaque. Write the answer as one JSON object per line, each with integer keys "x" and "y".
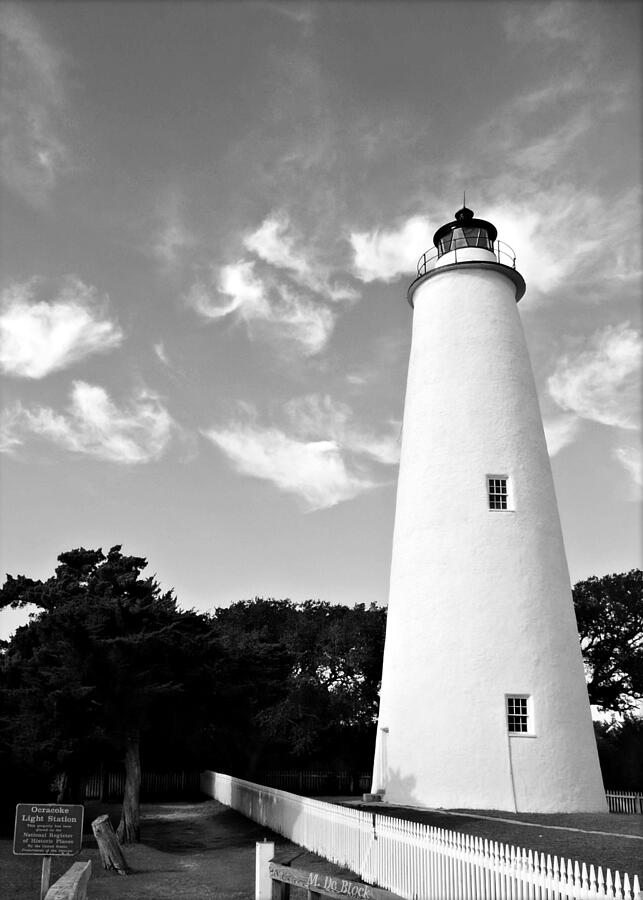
{"x": 48, "y": 829}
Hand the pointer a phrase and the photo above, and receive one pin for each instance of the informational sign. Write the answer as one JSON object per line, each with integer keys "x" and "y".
{"x": 48, "y": 829}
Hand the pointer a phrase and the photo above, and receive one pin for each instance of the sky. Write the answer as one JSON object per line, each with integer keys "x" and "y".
{"x": 210, "y": 216}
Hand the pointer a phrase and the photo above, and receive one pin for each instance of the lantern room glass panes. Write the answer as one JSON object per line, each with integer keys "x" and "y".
{"x": 464, "y": 237}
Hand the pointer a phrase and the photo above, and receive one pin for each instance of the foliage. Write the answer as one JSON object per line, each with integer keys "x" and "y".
{"x": 110, "y": 664}
{"x": 307, "y": 678}
{"x": 106, "y": 660}
{"x": 609, "y": 613}
{"x": 620, "y": 750}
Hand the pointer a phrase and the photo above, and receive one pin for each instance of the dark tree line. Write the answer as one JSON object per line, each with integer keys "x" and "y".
{"x": 111, "y": 670}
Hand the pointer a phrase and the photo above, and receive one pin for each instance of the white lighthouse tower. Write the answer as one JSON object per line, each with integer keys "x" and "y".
{"x": 483, "y": 702}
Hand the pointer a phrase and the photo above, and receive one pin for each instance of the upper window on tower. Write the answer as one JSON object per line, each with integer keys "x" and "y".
{"x": 497, "y": 491}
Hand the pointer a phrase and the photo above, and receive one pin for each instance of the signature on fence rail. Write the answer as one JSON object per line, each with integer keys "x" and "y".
{"x": 329, "y": 885}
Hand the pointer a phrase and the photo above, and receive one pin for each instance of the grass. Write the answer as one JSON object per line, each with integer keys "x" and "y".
{"x": 547, "y": 834}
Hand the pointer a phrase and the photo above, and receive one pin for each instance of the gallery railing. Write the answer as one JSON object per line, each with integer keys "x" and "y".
{"x": 504, "y": 254}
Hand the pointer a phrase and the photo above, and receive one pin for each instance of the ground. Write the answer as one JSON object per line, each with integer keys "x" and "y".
{"x": 205, "y": 851}
{"x": 190, "y": 851}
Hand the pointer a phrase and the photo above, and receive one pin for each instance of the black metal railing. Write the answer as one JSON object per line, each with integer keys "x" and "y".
{"x": 504, "y": 254}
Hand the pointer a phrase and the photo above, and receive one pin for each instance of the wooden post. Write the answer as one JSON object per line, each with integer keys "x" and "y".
{"x": 110, "y": 850}
{"x": 45, "y": 876}
{"x": 264, "y": 852}
{"x": 281, "y": 890}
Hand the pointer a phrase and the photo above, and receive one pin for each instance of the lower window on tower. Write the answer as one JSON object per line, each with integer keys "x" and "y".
{"x": 498, "y": 491}
{"x": 518, "y": 714}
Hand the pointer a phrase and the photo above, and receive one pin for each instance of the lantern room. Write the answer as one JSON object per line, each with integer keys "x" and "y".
{"x": 465, "y": 232}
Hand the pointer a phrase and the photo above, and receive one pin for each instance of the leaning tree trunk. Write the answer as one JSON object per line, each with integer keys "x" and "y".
{"x": 110, "y": 850}
{"x": 128, "y": 830}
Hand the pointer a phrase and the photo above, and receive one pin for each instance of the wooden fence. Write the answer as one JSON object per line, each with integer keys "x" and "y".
{"x": 109, "y": 786}
{"x": 317, "y": 782}
{"x": 416, "y": 860}
{"x": 625, "y": 802}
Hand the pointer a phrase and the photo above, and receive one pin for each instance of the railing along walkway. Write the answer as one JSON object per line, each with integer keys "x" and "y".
{"x": 414, "y": 860}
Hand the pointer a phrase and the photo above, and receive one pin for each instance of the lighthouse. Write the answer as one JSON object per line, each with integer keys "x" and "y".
{"x": 483, "y": 702}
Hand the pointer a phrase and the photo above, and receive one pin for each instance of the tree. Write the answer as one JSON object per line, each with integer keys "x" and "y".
{"x": 106, "y": 659}
{"x": 331, "y": 706}
{"x": 253, "y": 637}
{"x": 620, "y": 751}
{"x": 609, "y": 613}
{"x": 307, "y": 681}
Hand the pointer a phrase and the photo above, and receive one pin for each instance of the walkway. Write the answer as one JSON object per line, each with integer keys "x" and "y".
{"x": 191, "y": 851}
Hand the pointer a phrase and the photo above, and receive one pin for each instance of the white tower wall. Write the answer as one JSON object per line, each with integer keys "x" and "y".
{"x": 480, "y": 601}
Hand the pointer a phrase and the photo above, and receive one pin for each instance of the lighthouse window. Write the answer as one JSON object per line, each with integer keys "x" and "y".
{"x": 497, "y": 491}
{"x": 460, "y": 238}
{"x": 517, "y": 715}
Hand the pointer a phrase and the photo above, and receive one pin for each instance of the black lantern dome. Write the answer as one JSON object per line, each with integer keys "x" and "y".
{"x": 465, "y": 231}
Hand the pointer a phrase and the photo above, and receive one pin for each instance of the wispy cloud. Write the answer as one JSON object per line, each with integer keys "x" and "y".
{"x": 554, "y": 21}
{"x": 321, "y": 456}
{"x": 630, "y": 456}
{"x": 560, "y": 431}
{"x": 314, "y": 471}
{"x": 274, "y": 243}
{"x": 172, "y": 238}
{"x": 271, "y": 310}
{"x": 603, "y": 382}
{"x": 33, "y": 150}
{"x": 319, "y": 416}
{"x": 382, "y": 255}
{"x": 10, "y": 428}
{"x": 277, "y": 243}
{"x": 549, "y": 251}
{"x": 161, "y": 353}
{"x": 38, "y": 337}
{"x": 93, "y": 425}
{"x": 302, "y": 13}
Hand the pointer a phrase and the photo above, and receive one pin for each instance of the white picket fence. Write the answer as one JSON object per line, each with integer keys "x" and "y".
{"x": 624, "y": 802}
{"x": 414, "y": 860}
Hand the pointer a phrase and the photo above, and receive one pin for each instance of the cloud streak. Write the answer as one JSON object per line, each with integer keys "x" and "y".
{"x": 94, "y": 426}
{"x": 172, "y": 238}
{"x": 314, "y": 471}
{"x": 271, "y": 310}
{"x": 38, "y": 337}
{"x": 560, "y": 432}
{"x": 277, "y": 243}
{"x": 602, "y": 383}
{"x": 321, "y": 456}
{"x": 630, "y": 458}
{"x": 33, "y": 152}
{"x": 318, "y": 416}
{"x": 382, "y": 255}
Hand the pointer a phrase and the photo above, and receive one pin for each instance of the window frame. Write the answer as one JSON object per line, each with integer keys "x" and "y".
{"x": 507, "y": 495}
{"x": 528, "y": 714}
